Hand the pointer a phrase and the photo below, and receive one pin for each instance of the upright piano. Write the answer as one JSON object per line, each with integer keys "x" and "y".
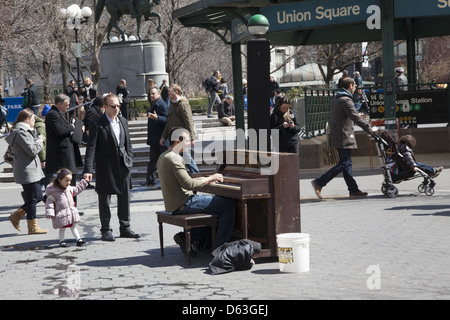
{"x": 266, "y": 187}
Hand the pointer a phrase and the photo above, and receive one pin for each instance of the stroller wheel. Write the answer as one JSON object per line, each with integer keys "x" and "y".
{"x": 421, "y": 188}
{"x": 429, "y": 191}
{"x": 392, "y": 192}
{"x": 384, "y": 190}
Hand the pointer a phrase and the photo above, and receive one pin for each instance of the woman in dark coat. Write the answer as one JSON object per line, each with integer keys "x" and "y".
{"x": 285, "y": 120}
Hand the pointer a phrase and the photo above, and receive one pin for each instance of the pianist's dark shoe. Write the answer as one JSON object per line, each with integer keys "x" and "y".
{"x": 180, "y": 239}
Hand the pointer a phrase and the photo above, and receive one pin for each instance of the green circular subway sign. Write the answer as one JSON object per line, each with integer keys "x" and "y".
{"x": 258, "y": 20}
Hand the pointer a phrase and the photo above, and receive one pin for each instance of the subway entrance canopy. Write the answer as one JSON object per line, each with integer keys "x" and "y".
{"x": 319, "y": 21}
{"x": 314, "y": 22}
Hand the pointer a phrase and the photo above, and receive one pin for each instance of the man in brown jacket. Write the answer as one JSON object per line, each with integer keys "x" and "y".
{"x": 180, "y": 115}
{"x": 342, "y": 137}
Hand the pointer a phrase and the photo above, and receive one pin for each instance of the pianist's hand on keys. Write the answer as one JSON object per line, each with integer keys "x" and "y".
{"x": 215, "y": 178}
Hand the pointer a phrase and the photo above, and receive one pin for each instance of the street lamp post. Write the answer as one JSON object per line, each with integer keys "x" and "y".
{"x": 258, "y": 73}
{"x": 75, "y": 17}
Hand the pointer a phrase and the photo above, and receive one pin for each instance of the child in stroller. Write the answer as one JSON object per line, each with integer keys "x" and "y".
{"x": 405, "y": 145}
{"x": 398, "y": 164}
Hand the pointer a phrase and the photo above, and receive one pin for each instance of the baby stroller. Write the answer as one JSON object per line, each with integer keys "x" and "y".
{"x": 391, "y": 158}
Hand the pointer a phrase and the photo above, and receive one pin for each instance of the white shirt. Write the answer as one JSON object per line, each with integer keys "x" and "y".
{"x": 115, "y": 125}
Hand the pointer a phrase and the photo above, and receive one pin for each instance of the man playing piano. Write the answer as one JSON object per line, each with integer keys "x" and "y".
{"x": 177, "y": 188}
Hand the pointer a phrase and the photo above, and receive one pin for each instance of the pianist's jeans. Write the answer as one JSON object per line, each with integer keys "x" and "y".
{"x": 222, "y": 207}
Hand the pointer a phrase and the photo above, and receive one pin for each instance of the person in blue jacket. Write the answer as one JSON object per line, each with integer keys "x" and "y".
{"x": 157, "y": 119}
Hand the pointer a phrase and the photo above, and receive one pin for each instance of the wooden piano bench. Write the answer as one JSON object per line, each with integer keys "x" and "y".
{"x": 187, "y": 222}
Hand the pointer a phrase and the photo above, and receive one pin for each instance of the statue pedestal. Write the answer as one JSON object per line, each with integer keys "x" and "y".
{"x": 134, "y": 61}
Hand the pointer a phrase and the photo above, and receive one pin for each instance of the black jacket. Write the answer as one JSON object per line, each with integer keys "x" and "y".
{"x": 70, "y": 91}
{"x": 234, "y": 256}
{"x": 89, "y": 93}
{"x": 33, "y": 96}
{"x": 112, "y": 170}
{"x": 288, "y": 136}
{"x": 92, "y": 114}
{"x": 155, "y": 128}
{"x": 164, "y": 92}
{"x": 124, "y": 91}
{"x": 61, "y": 152}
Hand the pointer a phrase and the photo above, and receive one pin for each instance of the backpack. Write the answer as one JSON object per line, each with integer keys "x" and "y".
{"x": 207, "y": 83}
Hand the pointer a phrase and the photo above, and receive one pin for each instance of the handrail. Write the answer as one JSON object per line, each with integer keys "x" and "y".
{"x": 318, "y": 100}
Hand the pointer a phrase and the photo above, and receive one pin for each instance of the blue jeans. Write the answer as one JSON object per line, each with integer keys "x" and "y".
{"x": 345, "y": 166}
{"x": 428, "y": 169}
{"x": 222, "y": 207}
{"x": 213, "y": 97}
{"x": 32, "y": 194}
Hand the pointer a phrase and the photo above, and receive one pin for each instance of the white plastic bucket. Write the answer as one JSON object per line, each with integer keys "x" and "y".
{"x": 293, "y": 252}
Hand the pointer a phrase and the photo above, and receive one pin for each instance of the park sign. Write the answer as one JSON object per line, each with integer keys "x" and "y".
{"x": 14, "y": 106}
{"x": 413, "y": 107}
{"x": 320, "y": 13}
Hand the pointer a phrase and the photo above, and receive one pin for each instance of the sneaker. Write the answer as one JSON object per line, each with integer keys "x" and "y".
{"x": 437, "y": 171}
{"x": 63, "y": 244}
{"x": 358, "y": 193}
{"x": 317, "y": 189}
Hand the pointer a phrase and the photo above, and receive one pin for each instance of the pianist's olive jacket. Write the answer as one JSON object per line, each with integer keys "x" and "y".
{"x": 176, "y": 184}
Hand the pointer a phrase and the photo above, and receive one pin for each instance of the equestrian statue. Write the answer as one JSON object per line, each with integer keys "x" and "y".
{"x": 136, "y": 8}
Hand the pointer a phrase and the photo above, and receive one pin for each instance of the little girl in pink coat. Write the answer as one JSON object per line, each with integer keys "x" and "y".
{"x": 60, "y": 206}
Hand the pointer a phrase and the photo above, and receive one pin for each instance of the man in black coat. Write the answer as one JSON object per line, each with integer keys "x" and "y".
{"x": 157, "y": 119}
{"x": 109, "y": 143}
{"x": 61, "y": 152}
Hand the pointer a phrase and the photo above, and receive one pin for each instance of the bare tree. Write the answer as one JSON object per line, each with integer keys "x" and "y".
{"x": 435, "y": 64}
{"x": 191, "y": 53}
{"x": 28, "y": 47}
{"x": 336, "y": 57}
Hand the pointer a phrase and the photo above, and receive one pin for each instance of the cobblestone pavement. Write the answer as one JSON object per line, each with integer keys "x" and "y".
{"x": 371, "y": 248}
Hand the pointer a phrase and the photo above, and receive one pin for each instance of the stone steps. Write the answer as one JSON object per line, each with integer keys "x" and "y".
{"x": 211, "y": 137}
